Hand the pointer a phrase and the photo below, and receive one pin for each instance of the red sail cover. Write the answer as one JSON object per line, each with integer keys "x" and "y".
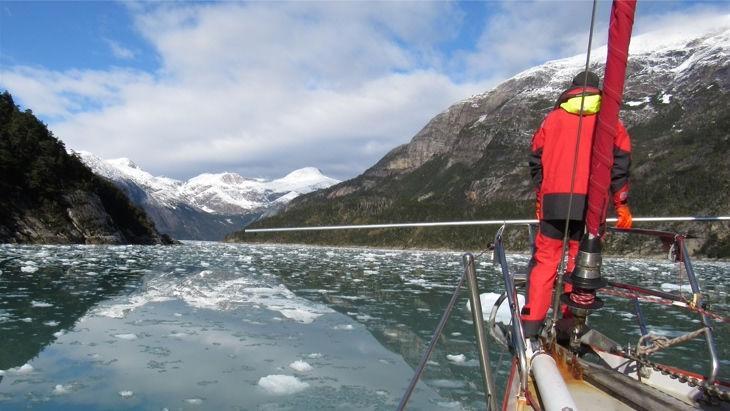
{"x": 619, "y": 36}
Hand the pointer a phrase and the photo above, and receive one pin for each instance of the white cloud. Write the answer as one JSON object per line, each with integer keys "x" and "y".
{"x": 258, "y": 87}
{"x": 120, "y": 51}
{"x": 262, "y": 88}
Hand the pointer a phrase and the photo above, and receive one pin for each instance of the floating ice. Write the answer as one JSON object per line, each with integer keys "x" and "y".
{"x": 346, "y": 327}
{"x": 51, "y": 323}
{"x": 129, "y": 336}
{"x": 282, "y": 384}
{"x": 457, "y": 358}
{"x": 299, "y": 315}
{"x": 194, "y": 401}
{"x": 28, "y": 268}
{"x": 503, "y": 314}
{"x": 60, "y": 389}
{"x": 670, "y": 287}
{"x": 446, "y": 383}
{"x": 451, "y": 404}
{"x": 40, "y": 304}
{"x": 314, "y": 355}
{"x": 58, "y": 333}
{"x": 301, "y": 366}
{"x": 126, "y": 393}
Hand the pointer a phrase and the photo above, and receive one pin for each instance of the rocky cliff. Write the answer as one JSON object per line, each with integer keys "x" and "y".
{"x": 49, "y": 196}
{"x": 469, "y": 162}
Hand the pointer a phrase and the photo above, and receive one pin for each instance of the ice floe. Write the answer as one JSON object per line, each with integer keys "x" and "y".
{"x": 282, "y": 384}
{"x": 301, "y": 366}
{"x": 488, "y": 300}
{"x": 40, "y": 304}
{"x": 61, "y": 389}
{"x": 457, "y": 358}
{"x": 129, "y": 336}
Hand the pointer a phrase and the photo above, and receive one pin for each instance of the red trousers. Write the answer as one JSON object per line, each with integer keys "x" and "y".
{"x": 541, "y": 280}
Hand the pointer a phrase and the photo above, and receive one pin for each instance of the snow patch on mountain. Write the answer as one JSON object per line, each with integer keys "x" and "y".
{"x": 222, "y": 193}
{"x": 667, "y": 50}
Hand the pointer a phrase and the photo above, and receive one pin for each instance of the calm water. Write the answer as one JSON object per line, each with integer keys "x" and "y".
{"x": 217, "y": 326}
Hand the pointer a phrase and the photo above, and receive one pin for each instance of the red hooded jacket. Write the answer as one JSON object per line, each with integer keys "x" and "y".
{"x": 553, "y": 150}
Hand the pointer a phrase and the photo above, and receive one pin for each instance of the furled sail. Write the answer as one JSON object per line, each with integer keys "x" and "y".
{"x": 619, "y": 36}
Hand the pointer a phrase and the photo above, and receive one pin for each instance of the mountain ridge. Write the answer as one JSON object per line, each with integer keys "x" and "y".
{"x": 207, "y": 206}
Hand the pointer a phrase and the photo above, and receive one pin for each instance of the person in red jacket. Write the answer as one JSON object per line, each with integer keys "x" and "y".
{"x": 561, "y": 183}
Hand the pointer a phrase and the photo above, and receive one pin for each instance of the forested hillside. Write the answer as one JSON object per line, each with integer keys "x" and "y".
{"x": 49, "y": 196}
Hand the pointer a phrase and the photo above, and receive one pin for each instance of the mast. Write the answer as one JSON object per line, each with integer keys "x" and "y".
{"x": 586, "y": 276}
{"x": 619, "y": 36}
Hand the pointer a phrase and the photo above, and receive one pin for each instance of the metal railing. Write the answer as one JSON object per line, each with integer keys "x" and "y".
{"x": 482, "y": 345}
{"x": 518, "y": 337}
{"x": 680, "y": 254}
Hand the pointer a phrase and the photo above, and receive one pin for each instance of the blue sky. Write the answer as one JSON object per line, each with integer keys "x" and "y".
{"x": 262, "y": 88}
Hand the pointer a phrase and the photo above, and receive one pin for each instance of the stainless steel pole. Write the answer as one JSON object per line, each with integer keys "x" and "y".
{"x": 482, "y": 346}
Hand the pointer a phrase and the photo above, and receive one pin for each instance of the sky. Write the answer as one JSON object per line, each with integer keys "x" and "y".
{"x": 264, "y": 88}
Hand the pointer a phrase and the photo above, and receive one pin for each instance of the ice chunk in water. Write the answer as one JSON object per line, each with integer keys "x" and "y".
{"x": 670, "y": 287}
{"x": 282, "y": 384}
{"x": 301, "y": 366}
{"x": 302, "y": 316}
{"x": 60, "y": 389}
{"x": 126, "y": 393}
{"x": 457, "y": 358}
{"x": 40, "y": 304}
{"x": 129, "y": 336}
{"x": 503, "y": 314}
{"x": 28, "y": 268}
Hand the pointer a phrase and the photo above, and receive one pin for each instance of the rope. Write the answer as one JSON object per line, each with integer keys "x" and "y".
{"x": 659, "y": 342}
{"x": 434, "y": 338}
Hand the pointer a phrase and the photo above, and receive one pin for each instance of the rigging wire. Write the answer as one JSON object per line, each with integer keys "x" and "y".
{"x": 558, "y": 289}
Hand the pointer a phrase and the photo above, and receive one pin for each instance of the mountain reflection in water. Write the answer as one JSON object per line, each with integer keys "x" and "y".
{"x": 221, "y": 326}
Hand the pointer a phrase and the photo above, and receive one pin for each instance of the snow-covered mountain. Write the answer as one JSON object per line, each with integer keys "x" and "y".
{"x": 185, "y": 209}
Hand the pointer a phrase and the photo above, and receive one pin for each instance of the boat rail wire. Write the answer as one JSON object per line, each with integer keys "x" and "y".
{"x": 516, "y": 334}
{"x": 470, "y": 223}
